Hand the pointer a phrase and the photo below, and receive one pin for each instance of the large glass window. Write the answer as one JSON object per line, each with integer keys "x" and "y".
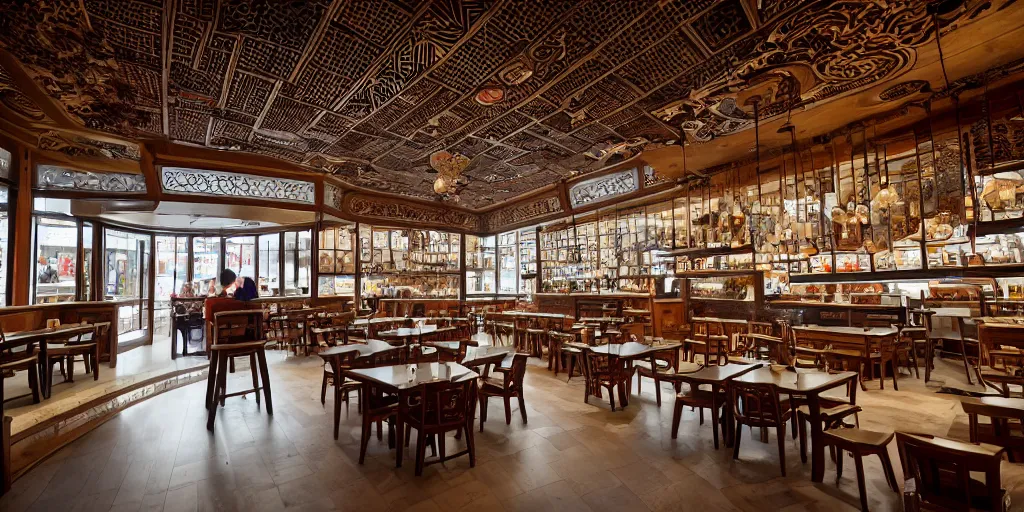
{"x": 205, "y": 264}
{"x": 270, "y": 265}
{"x": 508, "y": 262}
{"x": 171, "y": 273}
{"x": 480, "y": 264}
{"x": 240, "y": 253}
{"x": 56, "y": 244}
{"x": 297, "y": 254}
{"x": 336, "y": 265}
{"x": 126, "y": 256}
{"x": 87, "y": 260}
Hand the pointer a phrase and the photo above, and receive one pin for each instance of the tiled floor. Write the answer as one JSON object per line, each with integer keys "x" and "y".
{"x": 571, "y": 456}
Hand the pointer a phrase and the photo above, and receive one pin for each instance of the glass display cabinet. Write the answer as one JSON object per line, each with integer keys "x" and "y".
{"x": 336, "y": 260}
{"x": 481, "y": 264}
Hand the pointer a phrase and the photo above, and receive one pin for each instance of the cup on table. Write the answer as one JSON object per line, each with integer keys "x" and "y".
{"x": 52, "y": 323}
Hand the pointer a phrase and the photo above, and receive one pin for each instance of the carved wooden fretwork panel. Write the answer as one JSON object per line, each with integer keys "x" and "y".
{"x": 52, "y": 177}
{"x": 6, "y": 161}
{"x": 533, "y": 91}
{"x": 603, "y": 188}
{"x": 78, "y": 146}
{"x": 820, "y": 50}
{"x": 333, "y": 196}
{"x": 386, "y": 209}
{"x": 204, "y": 182}
{"x": 12, "y": 97}
{"x": 522, "y": 212}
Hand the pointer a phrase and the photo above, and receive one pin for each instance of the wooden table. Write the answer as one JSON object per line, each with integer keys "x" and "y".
{"x": 1000, "y": 410}
{"x": 717, "y": 376}
{"x": 40, "y": 338}
{"x": 406, "y": 334}
{"x": 994, "y": 332}
{"x": 631, "y": 351}
{"x": 402, "y": 380}
{"x": 809, "y": 385}
{"x": 529, "y": 314}
{"x": 861, "y": 340}
{"x": 484, "y": 356}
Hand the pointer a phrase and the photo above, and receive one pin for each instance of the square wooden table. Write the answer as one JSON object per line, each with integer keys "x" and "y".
{"x": 717, "y": 376}
{"x": 404, "y": 379}
{"x": 809, "y": 385}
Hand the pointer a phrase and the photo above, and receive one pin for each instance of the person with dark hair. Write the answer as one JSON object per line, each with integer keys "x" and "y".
{"x": 245, "y": 289}
{"x": 222, "y": 302}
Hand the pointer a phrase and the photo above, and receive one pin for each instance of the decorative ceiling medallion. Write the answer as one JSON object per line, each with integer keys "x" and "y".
{"x": 517, "y": 71}
{"x": 904, "y": 89}
{"x": 603, "y": 188}
{"x": 52, "y": 177}
{"x": 204, "y": 182}
{"x": 490, "y": 95}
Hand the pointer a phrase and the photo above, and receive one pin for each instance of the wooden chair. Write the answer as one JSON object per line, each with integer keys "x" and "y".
{"x": 758, "y": 405}
{"x": 507, "y": 388}
{"x": 603, "y": 371}
{"x": 83, "y": 346}
{"x": 832, "y": 414}
{"x": 237, "y": 334}
{"x": 14, "y": 361}
{"x": 941, "y": 470}
{"x": 860, "y": 443}
{"x": 700, "y": 399}
{"x": 964, "y": 328}
{"x": 439, "y": 408}
{"x": 662, "y": 365}
{"x": 556, "y": 341}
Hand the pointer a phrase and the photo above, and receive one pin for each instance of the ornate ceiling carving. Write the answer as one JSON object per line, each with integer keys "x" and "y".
{"x": 524, "y": 211}
{"x": 396, "y": 210}
{"x": 534, "y": 91}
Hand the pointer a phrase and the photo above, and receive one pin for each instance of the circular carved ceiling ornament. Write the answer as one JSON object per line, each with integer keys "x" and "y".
{"x": 490, "y": 95}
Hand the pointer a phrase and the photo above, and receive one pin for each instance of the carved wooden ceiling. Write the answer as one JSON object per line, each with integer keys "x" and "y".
{"x": 534, "y": 91}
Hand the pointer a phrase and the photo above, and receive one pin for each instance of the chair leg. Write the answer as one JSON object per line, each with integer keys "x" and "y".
{"x": 261, "y": 355}
{"x": 483, "y": 412}
{"x": 337, "y": 410}
{"x": 736, "y": 440}
{"x": 890, "y": 476}
{"x": 803, "y": 440}
{"x": 839, "y": 465}
{"x": 211, "y": 379}
{"x": 33, "y": 382}
{"x": 780, "y": 432}
{"x": 677, "y": 413}
{"x": 611, "y": 397}
{"x": 364, "y": 439}
{"x": 219, "y": 387}
{"x": 858, "y": 463}
{"x": 96, "y": 363}
{"x": 421, "y": 451}
{"x": 967, "y": 366}
{"x": 323, "y": 390}
{"x": 522, "y": 406}
{"x": 471, "y": 443}
{"x": 508, "y": 410}
{"x": 71, "y": 370}
{"x": 714, "y": 423}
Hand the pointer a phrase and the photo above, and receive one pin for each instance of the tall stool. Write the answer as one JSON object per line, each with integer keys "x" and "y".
{"x": 236, "y": 334}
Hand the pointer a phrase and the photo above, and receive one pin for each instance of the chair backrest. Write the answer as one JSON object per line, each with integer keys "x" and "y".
{"x": 941, "y": 471}
{"x": 446, "y": 404}
{"x": 765, "y": 328}
{"x": 756, "y": 405}
{"x": 518, "y": 372}
{"x": 231, "y": 327}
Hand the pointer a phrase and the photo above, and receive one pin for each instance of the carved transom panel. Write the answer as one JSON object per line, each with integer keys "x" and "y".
{"x": 205, "y": 182}
{"x": 603, "y": 188}
{"x": 534, "y": 91}
{"x": 53, "y": 177}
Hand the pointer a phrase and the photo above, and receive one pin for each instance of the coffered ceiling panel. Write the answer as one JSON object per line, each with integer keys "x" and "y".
{"x": 533, "y": 91}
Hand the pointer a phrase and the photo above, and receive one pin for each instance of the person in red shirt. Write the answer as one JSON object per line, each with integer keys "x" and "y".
{"x": 222, "y": 302}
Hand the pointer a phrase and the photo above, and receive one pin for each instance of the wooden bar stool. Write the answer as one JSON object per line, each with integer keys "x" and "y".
{"x": 860, "y": 443}
{"x": 236, "y": 334}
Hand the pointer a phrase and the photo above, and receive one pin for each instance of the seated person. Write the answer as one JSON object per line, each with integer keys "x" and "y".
{"x": 221, "y": 302}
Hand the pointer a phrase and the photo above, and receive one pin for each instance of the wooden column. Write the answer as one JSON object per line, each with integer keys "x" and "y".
{"x": 22, "y": 271}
